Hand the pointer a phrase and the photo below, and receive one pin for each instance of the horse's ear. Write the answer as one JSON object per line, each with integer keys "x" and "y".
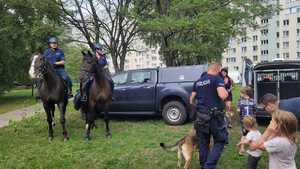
{"x": 90, "y": 54}
{"x": 83, "y": 53}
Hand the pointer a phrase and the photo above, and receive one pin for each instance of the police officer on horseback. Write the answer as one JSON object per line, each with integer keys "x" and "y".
{"x": 209, "y": 93}
{"x": 86, "y": 71}
{"x": 57, "y": 58}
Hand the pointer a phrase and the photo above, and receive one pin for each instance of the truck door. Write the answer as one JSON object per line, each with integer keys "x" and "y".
{"x": 119, "y": 94}
{"x": 141, "y": 90}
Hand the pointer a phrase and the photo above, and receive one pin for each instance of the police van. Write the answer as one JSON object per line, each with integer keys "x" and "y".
{"x": 279, "y": 77}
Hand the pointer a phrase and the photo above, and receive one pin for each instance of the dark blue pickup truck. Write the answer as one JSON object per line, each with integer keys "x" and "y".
{"x": 157, "y": 91}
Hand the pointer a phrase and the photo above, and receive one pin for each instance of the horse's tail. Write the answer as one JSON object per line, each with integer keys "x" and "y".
{"x": 173, "y": 147}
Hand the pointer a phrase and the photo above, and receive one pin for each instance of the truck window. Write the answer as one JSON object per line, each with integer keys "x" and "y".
{"x": 120, "y": 79}
{"x": 140, "y": 77}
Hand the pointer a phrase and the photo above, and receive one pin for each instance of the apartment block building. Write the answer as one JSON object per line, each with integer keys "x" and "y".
{"x": 277, "y": 37}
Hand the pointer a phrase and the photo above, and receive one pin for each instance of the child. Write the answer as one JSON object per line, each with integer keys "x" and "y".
{"x": 281, "y": 145}
{"x": 246, "y": 107}
{"x": 249, "y": 123}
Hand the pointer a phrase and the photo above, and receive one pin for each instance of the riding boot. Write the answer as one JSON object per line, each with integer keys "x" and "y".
{"x": 84, "y": 97}
{"x": 70, "y": 94}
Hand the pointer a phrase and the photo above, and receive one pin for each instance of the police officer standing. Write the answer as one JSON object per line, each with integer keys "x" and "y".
{"x": 210, "y": 93}
{"x": 57, "y": 58}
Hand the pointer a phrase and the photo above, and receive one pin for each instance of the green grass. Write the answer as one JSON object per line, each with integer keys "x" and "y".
{"x": 134, "y": 145}
{"x": 15, "y": 99}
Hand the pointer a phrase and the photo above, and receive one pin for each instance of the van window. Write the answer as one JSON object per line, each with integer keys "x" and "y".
{"x": 274, "y": 76}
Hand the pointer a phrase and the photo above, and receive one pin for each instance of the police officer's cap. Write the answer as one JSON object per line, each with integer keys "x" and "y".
{"x": 52, "y": 40}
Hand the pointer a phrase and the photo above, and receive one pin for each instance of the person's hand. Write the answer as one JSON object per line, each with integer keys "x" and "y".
{"x": 272, "y": 128}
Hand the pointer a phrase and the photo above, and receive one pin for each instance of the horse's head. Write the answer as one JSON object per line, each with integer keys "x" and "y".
{"x": 39, "y": 66}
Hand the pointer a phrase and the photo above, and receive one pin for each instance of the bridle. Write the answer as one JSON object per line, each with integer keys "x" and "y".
{"x": 43, "y": 68}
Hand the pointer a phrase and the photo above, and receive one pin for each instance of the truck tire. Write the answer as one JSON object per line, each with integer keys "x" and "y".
{"x": 174, "y": 113}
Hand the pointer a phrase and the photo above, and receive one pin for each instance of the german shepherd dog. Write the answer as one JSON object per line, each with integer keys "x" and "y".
{"x": 185, "y": 147}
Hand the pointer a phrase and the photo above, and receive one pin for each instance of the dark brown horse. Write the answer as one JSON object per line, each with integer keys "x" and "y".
{"x": 52, "y": 90}
{"x": 99, "y": 98}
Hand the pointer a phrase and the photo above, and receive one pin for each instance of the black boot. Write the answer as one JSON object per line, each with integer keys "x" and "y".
{"x": 70, "y": 94}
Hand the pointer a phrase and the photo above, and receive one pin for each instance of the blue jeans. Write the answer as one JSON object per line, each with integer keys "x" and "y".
{"x": 65, "y": 76}
{"x": 217, "y": 129}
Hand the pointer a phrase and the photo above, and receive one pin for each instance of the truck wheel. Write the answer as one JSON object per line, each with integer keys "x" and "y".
{"x": 174, "y": 113}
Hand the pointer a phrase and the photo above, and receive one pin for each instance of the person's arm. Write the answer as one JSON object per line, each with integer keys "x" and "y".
{"x": 269, "y": 132}
{"x": 61, "y": 59}
{"x": 192, "y": 98}
{"x": 222, "y": 93}
{"x": 62, "y": 62}
{"x": 193, "y": 95}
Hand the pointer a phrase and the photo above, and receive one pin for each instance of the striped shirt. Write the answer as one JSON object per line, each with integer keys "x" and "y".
{"x": 247, "y": 107}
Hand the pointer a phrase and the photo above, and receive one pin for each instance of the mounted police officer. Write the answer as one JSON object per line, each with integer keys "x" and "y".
{"x": 56, "y": 57}
{"x": 87, "y": 70}
{"x": 209, "y": 93}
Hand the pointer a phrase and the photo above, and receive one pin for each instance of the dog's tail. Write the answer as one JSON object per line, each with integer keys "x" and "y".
{"x": 173, "y": 147}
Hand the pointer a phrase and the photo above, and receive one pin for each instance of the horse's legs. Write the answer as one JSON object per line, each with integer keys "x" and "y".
{"x": 106, "y": 119}
{"x": 52, "y": 109}
{"x": 49, "y": 120}
{"x": 62, "y": 109}
{"x": 90, "y": 119}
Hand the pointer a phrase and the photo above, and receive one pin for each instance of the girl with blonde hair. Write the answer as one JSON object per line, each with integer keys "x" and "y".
{"x": 281, "y": 140}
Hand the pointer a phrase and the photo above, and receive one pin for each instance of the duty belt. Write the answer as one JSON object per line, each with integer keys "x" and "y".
{"x": 215, "y": 112}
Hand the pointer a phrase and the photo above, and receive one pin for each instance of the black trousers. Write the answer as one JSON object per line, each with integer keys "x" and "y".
{"x": 252, "y": 162}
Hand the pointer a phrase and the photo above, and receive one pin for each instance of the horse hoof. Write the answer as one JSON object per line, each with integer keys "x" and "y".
{"x": 50, "y": 139}
{"x": 66, "y": 139}
{"x": 87, "y": 139}
{"x": 108, "y": 135}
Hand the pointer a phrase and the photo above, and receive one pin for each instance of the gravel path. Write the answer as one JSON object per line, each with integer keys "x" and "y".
{"x": 19, "y": 114}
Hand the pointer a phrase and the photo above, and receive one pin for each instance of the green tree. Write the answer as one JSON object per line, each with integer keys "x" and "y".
{"x": 25, "y": 26}
{"x": 197, "y": 31}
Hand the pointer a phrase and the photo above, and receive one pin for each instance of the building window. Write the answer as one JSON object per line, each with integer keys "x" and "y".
{"x": 286, "y": 55}
{"x": 278, "y": 45}
{"x": 285, "y": 33}
{"x": 298, "y": 20}
{"x": 244, "y": 49}
{"x": 264, "y": 21}
{"x": 255, "y": 48}
{"x": 255, "y": 38}
{"x": 263, "y": 42}
{"x": 277, "y": 23}
{"x": 298, "y": 43}
{"x": 244, "y": 39}
{"x": 277, "y": 34}
{"x": 277, "y": 55}
{"x": 298, "y": 55}
{"x": 255, "y": 58}
{"x": 264, "y": 31}
{"x": 285, "y": 45}
{"x": 233, "y": 50}
{"x": 154, "y": 58}
{"x": 230, "y": 60}
{"x": 236, "y": 68}
{"x": 264, "y": 52}
{"x": 286, "y": 22}
{"x": 298, "y": 32}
